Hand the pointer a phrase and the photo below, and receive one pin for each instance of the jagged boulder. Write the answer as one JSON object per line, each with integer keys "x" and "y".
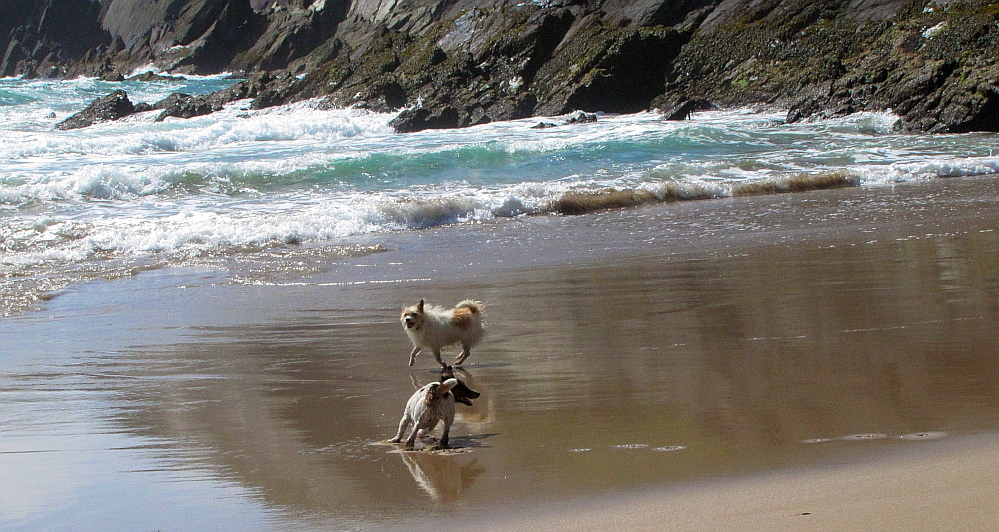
{"x": 111, "y": 107}
{"x": 181, "y": 105}
{"x": 412, "y": 120}
{"x": 152, "y": 76}
{"x": 580, "y": 117}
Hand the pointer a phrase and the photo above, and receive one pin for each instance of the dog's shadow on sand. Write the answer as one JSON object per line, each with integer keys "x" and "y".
{"x": 431, "y": 445}
{"x": 472, "y": 441}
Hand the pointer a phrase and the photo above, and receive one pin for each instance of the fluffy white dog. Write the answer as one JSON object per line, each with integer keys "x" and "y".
{"x": 432, "y": 327}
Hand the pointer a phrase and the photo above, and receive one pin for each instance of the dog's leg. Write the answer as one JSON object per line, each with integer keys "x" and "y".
{"x": 403, "y": 424}
{"x": 411, "y": 441}
{"x": 437, "y": 355}
{"x": 447, "y": 428}
{"x": 465, "y": 351}
{"x": 412, "y": 356}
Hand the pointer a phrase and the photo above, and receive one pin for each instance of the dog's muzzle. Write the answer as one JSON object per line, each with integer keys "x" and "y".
{"x": 466, "y": 395}
{"x": 410, "y": 323}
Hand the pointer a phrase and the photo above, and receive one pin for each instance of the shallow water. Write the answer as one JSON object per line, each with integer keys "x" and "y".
{"x": 626, "y": 350}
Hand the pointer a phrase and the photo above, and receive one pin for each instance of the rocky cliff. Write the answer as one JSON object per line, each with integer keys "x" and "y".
{"x": 454, "y": 63}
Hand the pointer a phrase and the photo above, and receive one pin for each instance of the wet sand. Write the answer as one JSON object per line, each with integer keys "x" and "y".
{"x": 948, "y": 487}
{"x": 720, "y": 363}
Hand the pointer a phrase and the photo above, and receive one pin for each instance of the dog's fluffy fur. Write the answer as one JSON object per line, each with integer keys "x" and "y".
{"x": 430, "y": 405}
{"x": 432, "y": 327}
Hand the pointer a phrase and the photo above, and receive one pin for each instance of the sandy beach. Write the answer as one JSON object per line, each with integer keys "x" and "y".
{"x": 815, "y": 364}
{"x": 948, "y": 487}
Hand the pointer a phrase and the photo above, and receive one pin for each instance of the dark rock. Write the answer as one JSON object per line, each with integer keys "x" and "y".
{"x": 185, "y": 106}
{"x": 152, "y": 76}
{"x": 264, "y": 88}
{"x": 111, "y": 107}
{"x": 113, "y": 76}
{"x": 684, "y": 109}
{"x": 278, "y": 91}
{"x": 412, "y": 120}
{"x": 543, "y": 125}
{"x": 579, "y": 117}
{"x": 247, "y": 88}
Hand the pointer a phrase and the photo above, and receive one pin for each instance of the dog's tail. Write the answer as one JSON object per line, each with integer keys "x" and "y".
{"x": 437, "y": 390}
{"x": 475, "y": 307}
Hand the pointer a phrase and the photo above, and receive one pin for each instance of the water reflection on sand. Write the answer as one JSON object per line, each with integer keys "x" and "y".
{"x": 270, "y": 404}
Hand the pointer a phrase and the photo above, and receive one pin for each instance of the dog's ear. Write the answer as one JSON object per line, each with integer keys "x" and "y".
{"x": 447, "y": 373}
{"x": 446, "y": 386}
{"x": 419, "y": 306}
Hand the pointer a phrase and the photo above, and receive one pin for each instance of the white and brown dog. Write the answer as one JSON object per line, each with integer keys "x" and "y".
{"x": 430, "y": 405}
{"x": 432, "y": 327}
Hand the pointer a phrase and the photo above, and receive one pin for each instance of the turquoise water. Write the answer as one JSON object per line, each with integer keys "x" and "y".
{"x": 136, "y": 193}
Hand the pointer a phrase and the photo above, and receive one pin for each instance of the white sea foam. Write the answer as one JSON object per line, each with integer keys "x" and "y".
{"x": 243, "y": 180}
{"x": 234, "y": 127}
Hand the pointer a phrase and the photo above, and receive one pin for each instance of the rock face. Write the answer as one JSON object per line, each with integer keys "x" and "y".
{"x": 456, "y": 63}
{"x": 44, "y": 38}
{"x": 933, "y": 65}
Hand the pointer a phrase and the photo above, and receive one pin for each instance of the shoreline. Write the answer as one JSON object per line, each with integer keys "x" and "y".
{"x": 948, "y": 485}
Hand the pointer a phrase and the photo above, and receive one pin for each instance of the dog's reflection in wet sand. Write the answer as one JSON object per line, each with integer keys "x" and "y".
{"x": 445, "y": 477}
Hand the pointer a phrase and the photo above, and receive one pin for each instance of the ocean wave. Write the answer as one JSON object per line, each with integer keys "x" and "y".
{"x": 485, "y": 168}
{"x": 584, "y": 202}
{"x": 235, "y": 127}
{"x": 934, "y": 168}
{"x": 204, "y": 225}
{"x": 865, "y": 123}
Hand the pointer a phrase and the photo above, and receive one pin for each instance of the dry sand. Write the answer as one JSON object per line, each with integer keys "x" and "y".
{"x": 952, "y": 486}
